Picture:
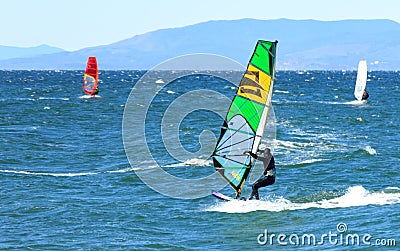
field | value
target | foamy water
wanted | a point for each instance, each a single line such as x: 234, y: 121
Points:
x: 354, y: 197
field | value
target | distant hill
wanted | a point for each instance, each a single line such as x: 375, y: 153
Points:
x: 8, y: 52
x: 303, y: 44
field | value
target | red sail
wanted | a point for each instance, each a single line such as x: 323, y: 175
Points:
x: 91, y: 77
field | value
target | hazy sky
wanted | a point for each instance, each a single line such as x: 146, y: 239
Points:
x: 76, y: 24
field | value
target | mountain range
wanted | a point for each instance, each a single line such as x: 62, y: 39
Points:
x: 303, y: 44
x: 7, y: 52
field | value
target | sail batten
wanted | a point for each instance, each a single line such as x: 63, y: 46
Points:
x: 246, y: 117
x: 237, y: 130
x: 230, y: 167
x: 236, y: 143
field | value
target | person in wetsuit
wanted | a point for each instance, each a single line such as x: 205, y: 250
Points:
x: 96, y: 91
x: 365, y: 95
x: 269, y: 171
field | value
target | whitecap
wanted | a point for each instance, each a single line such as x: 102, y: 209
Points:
x: 197, y: 162
x: 90, y: 96
x: 370, y: 150
x: 292, y: 144
x: 191, y: 162
x: 279, y: 91
x: 48, y: 174
x: 125, y: 170
x: 355, y: 102
x: 392, y: 188
x: 355, y: 196
x: 310, y: 161
x: 52, y: 98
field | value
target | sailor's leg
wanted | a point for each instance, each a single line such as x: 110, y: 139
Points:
x: 266, y: 181
x: 254, y: 192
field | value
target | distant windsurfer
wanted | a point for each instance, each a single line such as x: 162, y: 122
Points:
x: 269, y: 171
x: 365, y: 95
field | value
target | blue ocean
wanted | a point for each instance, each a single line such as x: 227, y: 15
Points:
x: 72, y: 167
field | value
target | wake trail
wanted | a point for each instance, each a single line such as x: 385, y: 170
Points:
x: 354, y: 197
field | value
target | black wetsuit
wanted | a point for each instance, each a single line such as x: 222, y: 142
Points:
x: 365, y: 95
x: 269, y: 174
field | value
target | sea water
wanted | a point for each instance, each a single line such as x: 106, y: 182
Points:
x: 67, y: 183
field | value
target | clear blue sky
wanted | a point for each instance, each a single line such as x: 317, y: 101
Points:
x: 76, y: 24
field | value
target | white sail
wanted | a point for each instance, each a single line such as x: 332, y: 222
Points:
x: 361, y: 80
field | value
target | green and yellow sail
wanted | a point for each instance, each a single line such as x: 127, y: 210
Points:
x: 246, y: 118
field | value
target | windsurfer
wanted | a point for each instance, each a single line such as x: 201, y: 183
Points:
x: 96, y: 91
x: 365, y: 95
x: 269, y: 171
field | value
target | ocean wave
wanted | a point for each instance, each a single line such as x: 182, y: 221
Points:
x: 49, y: 174
x: 292, y: 144
x: 355, y: 196
x: 89, y: 96
x: 191, y: 162
x: 388, y: 189
x: 150, y: 165
x: 125, y: 170
x: 25, y: 99
x: 355, y: 102
x: 310, y: 161
x: 370, y: 150
x: 279, y: 91
x: 53, y: 98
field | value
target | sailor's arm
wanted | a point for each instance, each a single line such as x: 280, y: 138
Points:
x: 257, y: 157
